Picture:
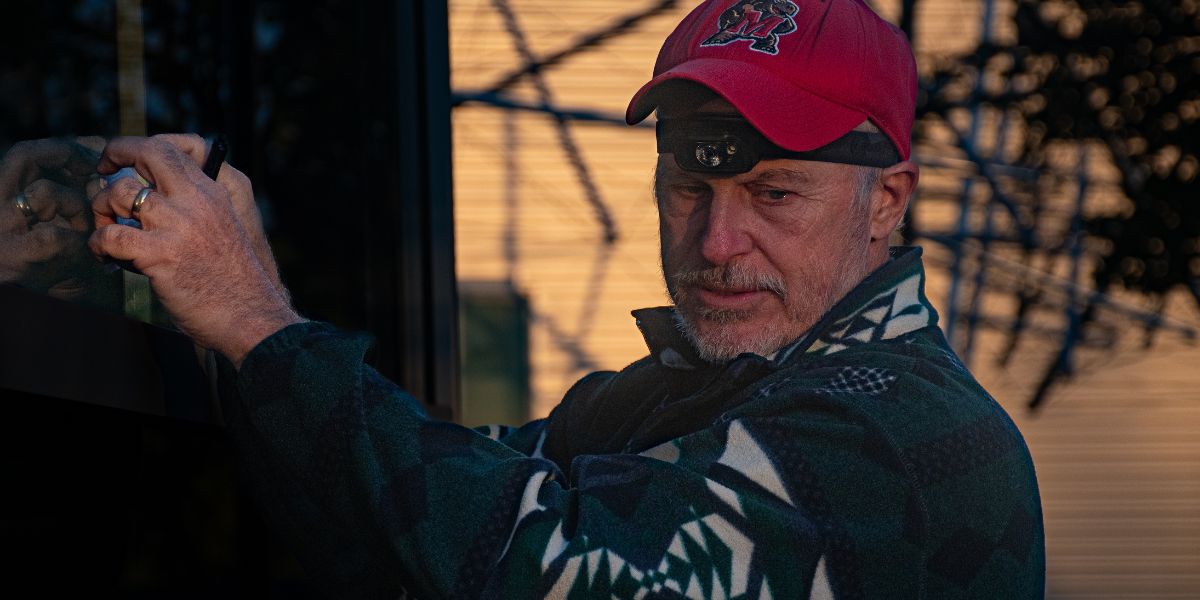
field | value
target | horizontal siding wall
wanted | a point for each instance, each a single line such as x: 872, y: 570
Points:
x: 1117, y: 449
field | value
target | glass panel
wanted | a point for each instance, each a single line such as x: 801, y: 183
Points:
x: 59, y: 82
x: 76, y: 74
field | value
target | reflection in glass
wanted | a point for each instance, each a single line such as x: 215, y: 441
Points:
x: 46, y: 220
x: 58, y: 81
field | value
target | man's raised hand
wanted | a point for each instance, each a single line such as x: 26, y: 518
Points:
x: 201, y: 242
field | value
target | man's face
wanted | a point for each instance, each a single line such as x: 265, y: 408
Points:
x: 753, y: 260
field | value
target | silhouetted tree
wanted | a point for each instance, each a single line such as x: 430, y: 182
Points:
x: 1126, y: 74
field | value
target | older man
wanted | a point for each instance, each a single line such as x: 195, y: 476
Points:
x: 800, y: 428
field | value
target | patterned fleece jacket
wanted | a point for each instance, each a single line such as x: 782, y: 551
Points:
x: 863, y: 461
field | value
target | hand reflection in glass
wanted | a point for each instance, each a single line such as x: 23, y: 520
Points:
x: 45, y: 216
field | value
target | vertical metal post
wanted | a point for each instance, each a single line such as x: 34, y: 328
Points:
x: 131, y: 95
x: 909, y: 230
x: 1077, y: 234
x: 1063, y: 364
x: 964, y: 206
x: 512, y: 196
x: 985, y: 242
x: 428, y: 353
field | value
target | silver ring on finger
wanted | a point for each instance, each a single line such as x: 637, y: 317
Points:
x: 139, y: 200
x: 22, y: 203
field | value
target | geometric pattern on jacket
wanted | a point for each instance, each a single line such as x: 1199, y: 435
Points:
x: 862, y: 461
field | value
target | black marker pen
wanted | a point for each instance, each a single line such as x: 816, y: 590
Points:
x: 216, y: 156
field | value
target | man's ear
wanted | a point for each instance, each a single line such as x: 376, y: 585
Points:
x: 890, y: 200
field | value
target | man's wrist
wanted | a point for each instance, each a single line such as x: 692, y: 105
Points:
x: 253, y: 331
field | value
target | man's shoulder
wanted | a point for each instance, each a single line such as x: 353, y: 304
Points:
x: 644, y: 368
x: 596, y: 412
x: 907, y: 373
x: 913, y: 392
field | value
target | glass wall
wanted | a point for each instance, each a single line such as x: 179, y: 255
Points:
x: 118, y: 479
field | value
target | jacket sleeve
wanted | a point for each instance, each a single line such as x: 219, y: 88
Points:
x: 377, y: 499
x: 527, y: 439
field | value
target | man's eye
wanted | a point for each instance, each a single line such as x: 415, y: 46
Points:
x: 775, y: 195
x: 691, y: 190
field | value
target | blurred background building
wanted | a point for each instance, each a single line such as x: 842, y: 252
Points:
x: 1058, y: 208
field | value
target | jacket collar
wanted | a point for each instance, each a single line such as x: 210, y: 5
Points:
x: 888, y: 303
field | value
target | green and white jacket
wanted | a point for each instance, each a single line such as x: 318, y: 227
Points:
x: 863, y: 461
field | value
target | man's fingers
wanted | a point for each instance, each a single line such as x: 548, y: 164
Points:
x: 93, y: 187
x: 189, y: 143
x: 158, y: 160
x: 197, y: 149
x: 117, y: 199
x: 68, y: 160
x: 49, y: 198
x: 94, y: 143
x: 25, y: 158
x: 119, y: 242
x: 235, y: 181
x: 47, y: 242
x: 41, y: 244
x: 80, y: 161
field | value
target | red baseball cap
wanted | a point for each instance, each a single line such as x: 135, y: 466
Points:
x: 802, y: 72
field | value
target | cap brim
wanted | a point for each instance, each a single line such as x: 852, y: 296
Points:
x: 789, y: 116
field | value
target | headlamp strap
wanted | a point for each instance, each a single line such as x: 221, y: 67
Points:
x: 730, y: 145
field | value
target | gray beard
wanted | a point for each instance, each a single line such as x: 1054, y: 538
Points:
x: 717, y: 345
x: 719, y: 349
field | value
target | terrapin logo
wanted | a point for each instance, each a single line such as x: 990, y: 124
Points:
x: 761, y: 21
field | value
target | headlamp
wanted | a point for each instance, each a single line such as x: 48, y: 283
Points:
x: 730, y: 145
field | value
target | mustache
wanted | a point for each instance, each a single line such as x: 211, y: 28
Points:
x: 731, y: 276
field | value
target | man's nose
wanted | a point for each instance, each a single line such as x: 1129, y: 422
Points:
x: 725, y: 234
